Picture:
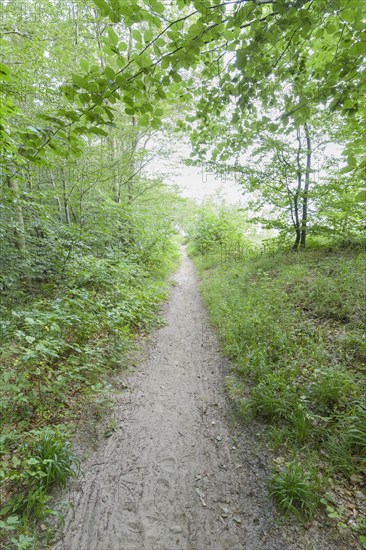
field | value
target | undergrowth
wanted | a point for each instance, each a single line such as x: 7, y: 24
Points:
x: 56, y: 351
x: 294, y: 326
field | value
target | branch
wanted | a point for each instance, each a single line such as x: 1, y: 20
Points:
x: 23, y: 34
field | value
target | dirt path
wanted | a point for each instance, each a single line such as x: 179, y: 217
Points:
x: 172, y: 476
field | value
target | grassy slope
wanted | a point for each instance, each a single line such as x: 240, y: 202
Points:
x: 294, y: 325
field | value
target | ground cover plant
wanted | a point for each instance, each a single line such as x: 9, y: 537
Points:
x: 293, y: 325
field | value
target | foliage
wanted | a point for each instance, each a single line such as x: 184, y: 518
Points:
x: 44, y: 460
x: 214, y: 227
x: 87, y: 240
x: 331, y: 386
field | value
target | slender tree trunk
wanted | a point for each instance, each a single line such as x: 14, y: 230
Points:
x: 133, y: 166
x: 75, y: 16
x: 111, y: 145
x: 57, y: 198
x: 20, y: 227
x: 297, y: 193
x: 66, y: 200
x: 306, y: 189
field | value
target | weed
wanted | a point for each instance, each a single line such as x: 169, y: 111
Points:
x: 51, y: 458
x: 40, y: 463
x: 274, y: 397
x: 296, y: 490
x: 355, y: 429
x: 330, y: 386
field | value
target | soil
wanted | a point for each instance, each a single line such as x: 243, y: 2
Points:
x: 177, y: 473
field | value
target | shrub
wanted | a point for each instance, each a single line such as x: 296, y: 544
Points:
x: 52, y: 457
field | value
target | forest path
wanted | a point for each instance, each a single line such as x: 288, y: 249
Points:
x: 171, y: 476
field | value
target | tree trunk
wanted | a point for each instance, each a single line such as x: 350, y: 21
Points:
x: 20, y: 228
x: 66, y: 200
x: 306, y: 189
x: 57, y: 198
x: 297, y: 193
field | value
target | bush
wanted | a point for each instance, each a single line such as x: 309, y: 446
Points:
x: 216, y: 226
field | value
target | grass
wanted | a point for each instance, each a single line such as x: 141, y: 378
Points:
x: 296, y: 490
x: 293, y: 325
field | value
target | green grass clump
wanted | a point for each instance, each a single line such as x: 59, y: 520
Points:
x: 296, y: 490
x: 355, y: 429
x: 43, y: 461
x: 331, y: 386
x: 274, y: 397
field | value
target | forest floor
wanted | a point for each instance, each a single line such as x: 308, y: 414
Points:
x: 177, y: 472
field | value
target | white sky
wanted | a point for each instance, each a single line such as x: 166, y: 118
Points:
x: 195, y: 182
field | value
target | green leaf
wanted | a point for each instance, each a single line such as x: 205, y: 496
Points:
x: 137, y: 35
x: 15, y: 460
x: 109, y: 72
x: 98, y: 131
x: 361, y: 196
x: 84, y: 65
x: 122, y: 46
x: 148, y: 36
x: 351, y: 161
x: 113, y: 37
x: 348, y: 104
x: 103, y: 7
x: 176, y: 77
x: 158, y: 7
x: 348, y: 15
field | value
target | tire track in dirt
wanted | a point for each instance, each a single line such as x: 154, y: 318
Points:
x: 171, y: 477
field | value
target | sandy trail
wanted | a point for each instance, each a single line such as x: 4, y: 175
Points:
x: 172, y: 476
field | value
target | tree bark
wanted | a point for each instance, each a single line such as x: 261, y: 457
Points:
x: 298, y: 191
x: 306, y: 189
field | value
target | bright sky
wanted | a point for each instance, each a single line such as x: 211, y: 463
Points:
x: 195, y: 182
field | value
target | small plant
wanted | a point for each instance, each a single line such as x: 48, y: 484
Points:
x: 51, y: 458
x: 301, y: 423
x: 331, y: 385
x: 339, y: 454
x: 46, y: 460
x: 274, y: 397
x: 360, y: 529
x: 296, y: 490
x: 22, y: 542
x: 355, y: 429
